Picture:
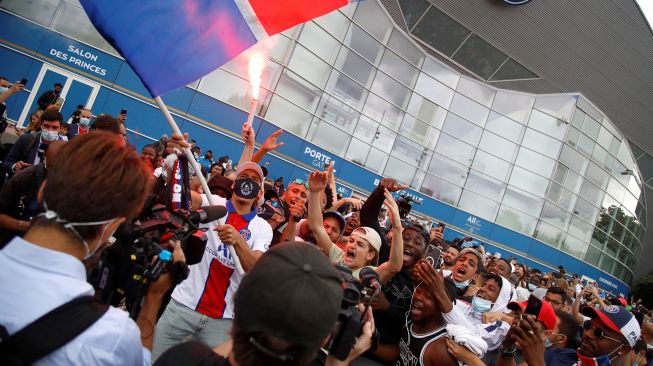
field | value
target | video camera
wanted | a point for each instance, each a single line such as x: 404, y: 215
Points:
x: 405, y: 204
x: 350, y: 319
x: 127, y: 267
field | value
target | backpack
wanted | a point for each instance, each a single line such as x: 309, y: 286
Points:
x: 50, y: 332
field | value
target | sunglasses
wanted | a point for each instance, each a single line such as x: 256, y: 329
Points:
x: 274, y: 204
x: 300, y: 182
x: 599, y: 332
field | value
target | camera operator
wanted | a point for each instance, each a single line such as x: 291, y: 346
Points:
x: 45, y: 269
x: 285, y: 308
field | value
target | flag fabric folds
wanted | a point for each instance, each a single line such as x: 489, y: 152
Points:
x: 170, y: 43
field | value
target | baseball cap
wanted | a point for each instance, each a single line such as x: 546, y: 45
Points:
x: 272, y: 194
x: 188, y: 353
x: 301, y: 290
x: 336, y: 216
x: 251, y: 166
x: 420, y: 229
x: 618, y: 319
x: 370, y: 235
x: 547, y: 315
x: 480, y: 256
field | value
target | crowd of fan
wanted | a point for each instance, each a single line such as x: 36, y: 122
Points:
x: 463, y: 307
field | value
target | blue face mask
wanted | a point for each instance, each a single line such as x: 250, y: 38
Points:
x: 463, y: 284
x: 84, y: 121
x: 49, y: 135
x: 3, y: 89
x: 480, y: 305
x: 547, y: 343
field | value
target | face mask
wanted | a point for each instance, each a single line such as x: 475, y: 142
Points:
x: 462, y: 284
x: 246, y: 188
x: 3, y: 89
x: 531, y: 287
x: 265, y: 212
x: 84, y: 121
x: 480, y: 305
x: 49, y: 135
x: 602, y: 360
x: 547, y: 343
x: 636, y: 363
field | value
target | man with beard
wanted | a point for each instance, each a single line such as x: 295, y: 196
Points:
x: 608, y: 336
x: 449, y: 257
x: 202, y: 305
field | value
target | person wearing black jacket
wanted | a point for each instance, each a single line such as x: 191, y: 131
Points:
x: 49, y: 97
x: 391, y: 305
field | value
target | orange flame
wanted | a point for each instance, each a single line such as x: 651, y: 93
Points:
x: 255, y: 70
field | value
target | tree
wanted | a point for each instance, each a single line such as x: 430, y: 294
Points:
x: 643, y: 289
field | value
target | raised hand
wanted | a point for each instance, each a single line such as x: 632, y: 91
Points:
x: 271, y: 143
x: 247, y: 134
x: 392, y: 185
x: 317, y: 181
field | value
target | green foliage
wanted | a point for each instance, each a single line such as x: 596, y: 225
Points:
x: 643, y: 289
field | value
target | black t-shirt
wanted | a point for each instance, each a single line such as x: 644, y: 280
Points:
x: 191, y: 353
x: 18, y: 198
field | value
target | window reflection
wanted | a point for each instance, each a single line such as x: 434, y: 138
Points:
x: 355, y: 67
x: 514, y: 105
x: 399, y: 170
x: 491, y: 166
x: 309, y: 66
x: 455, y: 149
x: 498, y: 146
x: 549, y: 234
x: 434, y: 90
x: 505, y: 127
x: 376, y: 160
x: 523, y: 201
x: 398, y: 68
x: 574, y: 247
x: 516, y: 220
x: 541, y: 143
x: 294, y: 88
x: 441, y: 189
x: 530, y: 182
x: 329, y: 137
x: 404, y: 47
x: 287, y: 116
x: 535, y: 162
x: 364, y: 44
x: 410, y: 152
x: 391, y: 90
x: 547, y: 124
x: 357, y: 152
x: 462, y: 129
x: 319, y: 41
x: 371, y: 17
x: 485, y: 186
x: 447, y: 169
x: 478, y: 205
x: 469, y: 109
x: 346, y: 90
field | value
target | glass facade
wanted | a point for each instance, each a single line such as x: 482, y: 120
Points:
x: 549, y: 166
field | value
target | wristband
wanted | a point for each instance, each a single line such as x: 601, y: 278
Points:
x: 508, y: 353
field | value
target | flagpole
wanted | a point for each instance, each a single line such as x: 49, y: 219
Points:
x: 198, y: 171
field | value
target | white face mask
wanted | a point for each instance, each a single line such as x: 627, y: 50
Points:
x: 49, y: 135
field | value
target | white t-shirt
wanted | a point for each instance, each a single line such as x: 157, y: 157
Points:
x: 212, y: 283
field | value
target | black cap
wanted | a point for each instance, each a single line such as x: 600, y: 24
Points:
x: 293, y: 293
x: 337, y: 216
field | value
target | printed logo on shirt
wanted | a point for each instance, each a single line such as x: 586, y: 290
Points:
x: 245, y: 233
x: 612, y: 309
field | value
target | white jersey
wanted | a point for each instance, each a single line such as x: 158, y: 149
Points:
x: 212, y: 283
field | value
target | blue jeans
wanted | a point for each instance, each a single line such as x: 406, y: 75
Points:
x: 179, y: 324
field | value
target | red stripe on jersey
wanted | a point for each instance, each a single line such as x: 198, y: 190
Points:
x: 212, y: 302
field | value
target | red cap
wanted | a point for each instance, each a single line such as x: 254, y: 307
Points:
x: 547, y: 315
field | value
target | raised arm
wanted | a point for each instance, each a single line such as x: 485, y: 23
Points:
x: 249, y: 138
x: 11, y: 91
x: 316, y: 183
x: 269, y: 144
x: 388, y: 269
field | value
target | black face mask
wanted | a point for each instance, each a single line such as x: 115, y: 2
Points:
x: 246, y: 188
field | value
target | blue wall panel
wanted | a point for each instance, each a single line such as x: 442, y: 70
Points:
x: 222, y: 135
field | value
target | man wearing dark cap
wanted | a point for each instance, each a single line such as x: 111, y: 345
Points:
x: 286, y: 307
x: 608, y: 336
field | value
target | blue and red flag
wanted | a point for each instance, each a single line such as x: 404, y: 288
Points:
x: 170, y: 43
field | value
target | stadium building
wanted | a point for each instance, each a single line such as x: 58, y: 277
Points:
x: 527, y: 127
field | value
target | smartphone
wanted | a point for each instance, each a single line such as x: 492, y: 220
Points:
x: 229, y: 162
x: 433, y: 255
x: 533, y: 306
x: 59, y: 102
x: 123, y: 111
x: 23, y: 81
